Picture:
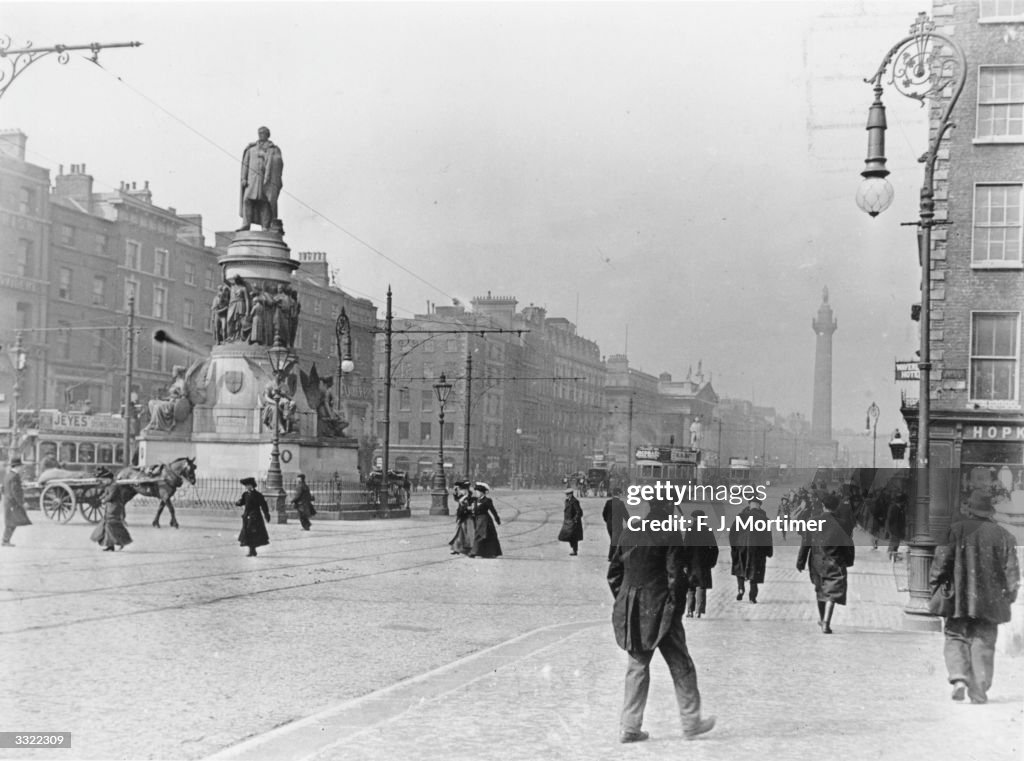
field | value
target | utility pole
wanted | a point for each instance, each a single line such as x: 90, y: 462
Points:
x: 130, y: 361
x: 629, y: 443
x: 719, y: 442
x: 387, y: 403
x: 469, y: 396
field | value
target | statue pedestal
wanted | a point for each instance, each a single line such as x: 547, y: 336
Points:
x: 228, y: 436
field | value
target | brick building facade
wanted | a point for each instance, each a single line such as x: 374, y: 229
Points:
x: 977, y: 274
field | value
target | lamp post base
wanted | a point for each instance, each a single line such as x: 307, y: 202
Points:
x: 917, y: 616
x: 439, y: 502
x: 282, y: 516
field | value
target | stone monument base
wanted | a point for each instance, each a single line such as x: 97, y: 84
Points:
x: 222, y: 457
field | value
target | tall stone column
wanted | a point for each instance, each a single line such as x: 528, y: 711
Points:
x: 824, y: 325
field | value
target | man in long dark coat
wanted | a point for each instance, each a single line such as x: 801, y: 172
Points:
x: 572, y: 523
x: 750, y: 549
x: 979, y: 560
x: 827, y: 553
x: 647, y: 577
x: 14, y: 501
x: 302, y: 500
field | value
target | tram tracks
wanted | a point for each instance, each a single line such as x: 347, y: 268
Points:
x: 522, y: 516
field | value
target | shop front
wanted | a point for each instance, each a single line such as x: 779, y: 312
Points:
x: 970, y: 451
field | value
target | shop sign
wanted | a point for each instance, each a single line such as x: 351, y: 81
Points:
x: 994, y: 432
x: 77, y: 422
x: 683, y: 454
x: 646, y: 453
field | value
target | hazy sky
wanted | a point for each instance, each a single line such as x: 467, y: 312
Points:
x: 686, y: 168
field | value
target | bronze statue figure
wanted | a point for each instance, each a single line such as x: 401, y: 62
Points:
x: 262, y: 166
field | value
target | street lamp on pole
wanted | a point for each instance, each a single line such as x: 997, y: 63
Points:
x: 871, y: 424
x: 924, y: 64
x: 281, y: 362
x: 19, y: 359
x: 343, y: 337
x: 439, y: 491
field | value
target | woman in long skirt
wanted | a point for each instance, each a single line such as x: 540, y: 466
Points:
x: 254, y: 530
x: 827, y: 554
x: 465, y: 530
x: 485, y: 537
x: 111, y: 531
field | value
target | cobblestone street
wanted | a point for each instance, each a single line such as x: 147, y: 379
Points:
x: 368, y: 640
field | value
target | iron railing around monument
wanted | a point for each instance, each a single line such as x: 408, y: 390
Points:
x: 223, y: 493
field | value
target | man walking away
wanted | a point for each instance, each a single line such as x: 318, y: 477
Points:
x: 647, y: 575
x: 979, y: 565
x: 615, y: 517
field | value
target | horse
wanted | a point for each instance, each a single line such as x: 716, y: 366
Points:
x: 161, y: 481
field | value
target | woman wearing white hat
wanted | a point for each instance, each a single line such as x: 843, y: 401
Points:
x: 485, y: 539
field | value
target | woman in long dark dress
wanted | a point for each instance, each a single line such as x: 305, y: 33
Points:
x: 485, y: 537
x: 827, y: 553
x: 701, y: 552
x: 254, y: 530
x: 465, y: 530
x: 111, y: 531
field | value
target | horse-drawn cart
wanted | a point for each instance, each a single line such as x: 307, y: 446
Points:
x: 62, y: 493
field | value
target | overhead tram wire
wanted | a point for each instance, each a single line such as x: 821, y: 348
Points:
x: 326, y: 218
x: 295, y: 198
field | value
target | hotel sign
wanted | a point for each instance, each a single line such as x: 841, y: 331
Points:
x: 907, y: 371
x: 994, y: 432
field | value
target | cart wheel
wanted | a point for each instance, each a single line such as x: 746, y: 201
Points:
x: 57, y: 502
x: 92, y: 510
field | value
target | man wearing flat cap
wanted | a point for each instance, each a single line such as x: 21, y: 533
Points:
x: 979, y: 564
x: 14, y: 501
x: 254, y: 529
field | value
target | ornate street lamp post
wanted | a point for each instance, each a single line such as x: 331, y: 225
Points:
x: 281, y: 362
x: 439, y: 490
x: 343, y: 336
x: 19, y: 359
x: 923, y: 65
x: 871, y: 424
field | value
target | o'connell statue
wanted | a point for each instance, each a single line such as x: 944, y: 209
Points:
x: 262, y: 166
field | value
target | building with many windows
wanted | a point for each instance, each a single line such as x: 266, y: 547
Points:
x: 977, y: 273
x: 535, y: 396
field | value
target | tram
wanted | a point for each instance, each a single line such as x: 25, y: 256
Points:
x: 677, y: 465
x: 70, y: 440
